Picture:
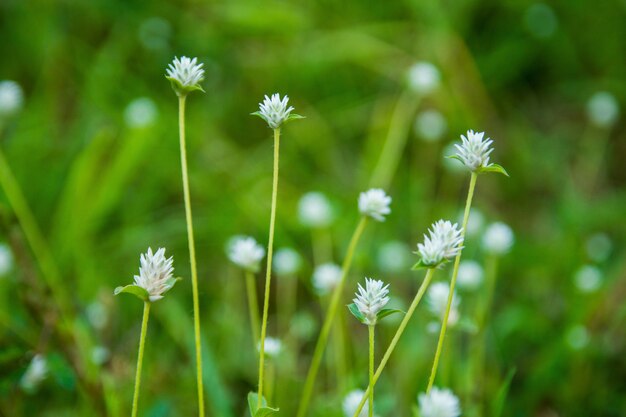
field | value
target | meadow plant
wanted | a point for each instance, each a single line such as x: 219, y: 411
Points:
x: 439, y: 403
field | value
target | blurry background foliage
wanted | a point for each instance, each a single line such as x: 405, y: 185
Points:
x: 95, y: 152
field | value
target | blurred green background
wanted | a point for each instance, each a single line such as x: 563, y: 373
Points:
x: 94, y: 150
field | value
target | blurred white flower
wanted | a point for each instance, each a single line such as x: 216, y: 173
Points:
x: 393, y: 256
x: 444, y: 242
x: 286, y: 261
x: 275, y: 111
x: 372, y: 299
x: 97, y: 315
x: 273, y: 347
x: 36, y: 372
x: 6, y: 259
x: 475, y: 222
x: 423, y: 77
x: 11, y: 98
x: 246, y: 253
x: 577, y: 337
x: 470, y: 275
x: 474, y: 151
x: 498, y: 238
x: 588, y: 278
x: 351, y: 403
x: 437, y: 302
x: 326, y: 277
x: 141, y: 112
x: 185, y: 74
x: 314, y: 210
x: 439, y: 403
x: 100, y: 354
x: 599, y: 247
x: 430, y: 125
x: 375, y: 204
x: 155, y: 274
x: 603, y: 109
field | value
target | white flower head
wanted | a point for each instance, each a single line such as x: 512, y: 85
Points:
x: 97, y: 314
x: 326, y: 277
x: 470, y: 275
x: 474, y: 150
x: 375, y: 204
x: 6, y: 259
x: 246, y: 253
x: 287, y: 261
x: 603, y: 109
x: 100, y: 354
x: 371, y: 299
x: 273, y: 347
x: 423, y: 77
x: 498, y: 238
x: 444, y: 242
x: 155, y: 274
x: 141, y: 112
x: 11, y: 98
x: 437, y: 302
x: 276, y: 111
x: 588, y: 278
x: 430, y: 125
x: 314, y: 210
x: 439, y: 403
x: 351, y: 403
x: 185, y: 74
x: 35, y: 373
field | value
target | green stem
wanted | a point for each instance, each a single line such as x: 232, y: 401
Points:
x: 339, y: 353
x: 268, y: 273
x: 253, y: 307
x: 455, y: 272
x: 142, y: 344
x: 420, y: 293
x: 192, y: 252
x: 371, y: 370
x: 328, y: 321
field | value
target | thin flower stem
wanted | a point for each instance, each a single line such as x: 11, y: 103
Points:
x: 371, y: 370
x: 455, y: 272
x: 253, y: 306
x: 192, y: 253
x: 418, y: 297
x: 328, y: 321
x: 268, y: 273
x: 142, y: 344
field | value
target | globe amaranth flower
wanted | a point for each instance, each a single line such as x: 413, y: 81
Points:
x: 326, y: 277
x: 444, y: 242
x: 498, y: 238
x: 276, y: 111
x: 185, y: 74
x: 155, y: 274
x: 375, y: 204
x: 351, y: 403
x: 314, y: 210
x: 423, y: 77
x: 470, y: 275
x: 11, y: 98
x: 474, y: 152
x: 371, y: 299
x: 246, y: 253
x: 439, y: 403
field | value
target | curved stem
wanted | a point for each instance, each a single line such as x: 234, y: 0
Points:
x: 328, y: 321
x: 371, y: 371
x: 192, y: 252
x: 268, y: 272
x: 455, y: 272
x: 253, y: 306
x: 416, y: 300
x: 142, y: 343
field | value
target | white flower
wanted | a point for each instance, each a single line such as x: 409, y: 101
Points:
x: 100, y: 354
x: 475, y: 222
x: 326, y: 277
x: 246, y: 253
x: 437, y: 302
x: 97, y: 315
x: 35, y: 373
x: 185, y: 75
x: 314, y: 210
x: 273, y: 347
x: 430, y: 125
x: 6, y: 259
x: 498, y: 238
x: 588, y: 278
x: 439, y: 403
x: 470, y: 275
x: 141, y: 112
x: 603, y: 109
x: 372, y: 299
x: 11, y: 98
x: 474, y: 151
x: 393, y: 256
x: 275, y: 111
x: 374, y: 203
x: 286, y: 261
x: 423, y: 77
x: 351, y: 403
x: 155, y: 274
x: 445, y: 241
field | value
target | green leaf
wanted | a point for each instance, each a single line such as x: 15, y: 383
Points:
x: 135, y: 290
x: 170, y: 283
x: 183, y: 90
x: 457, y: 157
x: 387, y: 312
x: 294, y: 116
x: 494, y: 168
x: 255, y: 410
x: 498, y: 402
x: 356, y: 313
x: 420, y: 265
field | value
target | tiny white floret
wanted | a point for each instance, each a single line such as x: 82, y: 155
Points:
x: 326, y: 277
x: 375, y: 204
x: 444, y: 242
x: 141, y: 112
x: 603, y: 109
x: 246, y: 253
x: 287, y: 261
x: 351, y: 403
x: 185, y: 75
x: 474, y: 150
x: 272, y: 348
x: 274, y: 110
x: 437, y: 302
x: 11, y: 98
x: 470, y: 275
x: 588, y: 278
x: 423, y: 77
x: 430, y: 125
x: 314, y: 210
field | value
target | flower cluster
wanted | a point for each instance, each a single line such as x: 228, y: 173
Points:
x: 444, y: 242
x: 185, y: 74
x: 371, y: 300
x: 439, y: 403
x: 474, y: 150
x: 375, y: 204
x: 246, y: 253
x: 276, y: 111
x: 155, y: 274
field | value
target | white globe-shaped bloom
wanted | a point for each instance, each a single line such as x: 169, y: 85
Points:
x: 439, y: 403
x: 11, y: 98
x: 588, y: 278
x: 371, y: 299
x: 423, y: 77
x: 6, y: 259
x: 97, y: 315
x: 286, y: 261
x: 375, y: 204
x: 141, y: 112
x: 326, y: 277
x: 430, y: 125
x: 155, y: 273
x: 437, y: 299
x: 444, y: 242
x: 273, y: 347
x: 275, y: 111
x: 470, y: 275
x: 100, y: 354
x: 599, y: 247
x: 498, y: 238
x: 474, y: 150
x: 394, y: 257
x: 351, y: 403
x: 185, y: 74
x: 246, y: 253
x: 314, y: 210
x: 603, y: 109
x: 35, y: 373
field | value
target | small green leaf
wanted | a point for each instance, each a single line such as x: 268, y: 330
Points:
x: 255, y: 410
x: 183, y: 90
x: 294, y: 116
x: 170, y: 283
x: 387, y: 312
x: 494, y: 168
x: 420, y: 265
x: 498, y: 402
x: 457, y: 157
x: 135, y: 290
x: 265, y: 411
x: 356, y: 313
x: 257, y: 113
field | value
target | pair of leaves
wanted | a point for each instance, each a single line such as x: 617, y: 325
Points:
x: 421, y: 265
x: 489, y: 168
x: 142, y: 293
x: 183, y: 90
x: 255, y: 410
x: 381, y: 314
x: 292, y: 116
